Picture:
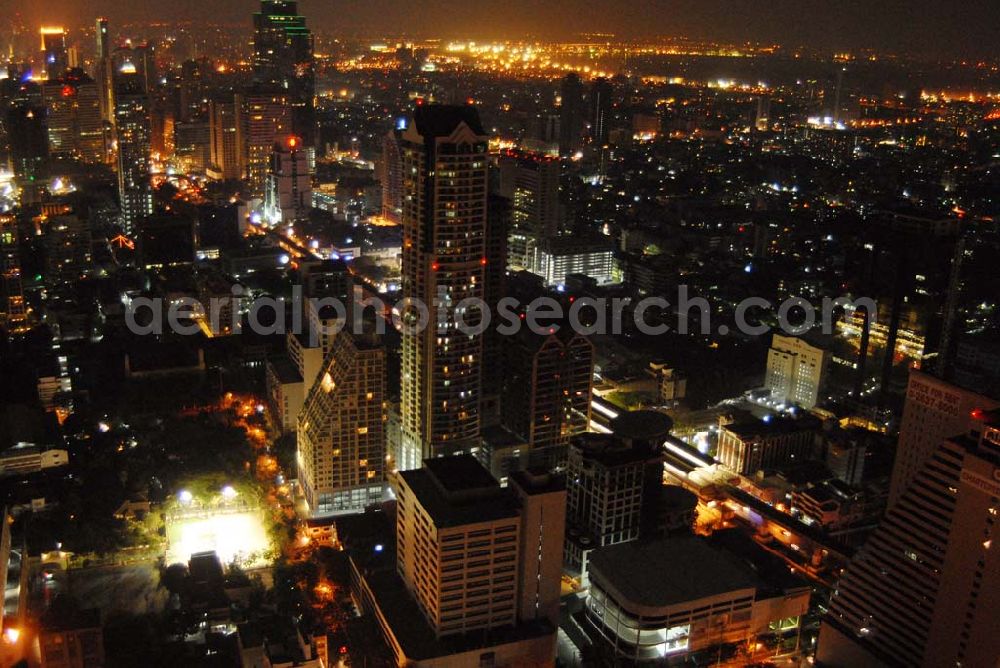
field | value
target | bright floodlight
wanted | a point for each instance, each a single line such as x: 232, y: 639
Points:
x: 232, y: 536
x: 185, y: 497
x: 228, y: 493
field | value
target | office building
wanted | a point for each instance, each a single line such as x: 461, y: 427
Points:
x: 655, y: 601
x: 132, y: 123
x: 934, y: 410
x: 67, y: 240
x: 265, y: 119
x: 796, y: 371
x: 468, y: 574
x: 283, y: 59
x: 104, y: 70
x: 548, y: 381
x: 570, y: 114
x: 444, y: 257
x: 55, y: 55
x: 614, y: 486
x: 73, y: 112
x: 476, y: 556
x: 341, y: 429
x: 226, y: 152
x: 530, y: 181
x: 29, y: 143
x: 750, y: 445
x: 288, y: 191
x: 193, y: 144
x: 925, y: 587
x: 13, y: 310
x: 555, y: 259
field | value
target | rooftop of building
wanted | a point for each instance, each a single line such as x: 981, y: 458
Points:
x: 775, y: 426
x: 538, y: 481
x: 642, y: 425
x: 441, y: 120
x: 457, y: 490
x: 669, y: 571
x: 285, y: 371
x: 609, y: 450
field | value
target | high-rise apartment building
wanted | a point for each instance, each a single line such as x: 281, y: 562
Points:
x: 934, y: 410
x: 341, y: 429
x: 288, y: 194
x: 444, y: 261
x: 392, y: 177
x: 531, y: 182
x: 924, y: 589
x: 548, y: 381
x: 132, y: 122
x: 796, y: 371
x: 283, y: 58
x: 13, y: 311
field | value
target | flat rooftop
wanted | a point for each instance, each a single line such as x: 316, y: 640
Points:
x: 458, y: 490
x: 670, y: 571
x: 460, y: 473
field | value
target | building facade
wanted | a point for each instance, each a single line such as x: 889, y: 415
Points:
x: 133, y: 131
x: 925, y: 587
x: 795, y: 371
x: 444, y: 261
x: 341, y: 429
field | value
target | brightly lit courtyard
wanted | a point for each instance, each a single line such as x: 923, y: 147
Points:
x: 235, y: 536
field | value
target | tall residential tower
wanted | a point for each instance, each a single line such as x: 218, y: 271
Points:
x: 444, y: 153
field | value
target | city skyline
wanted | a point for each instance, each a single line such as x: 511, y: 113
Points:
x: 926, y: 27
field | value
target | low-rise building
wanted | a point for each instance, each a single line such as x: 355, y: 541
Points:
x: 653, y: 600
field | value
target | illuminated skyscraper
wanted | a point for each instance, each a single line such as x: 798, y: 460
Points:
x: 13, y: 312
x: 74, y: 117
x: 132, y: 122
x: 288, y: 195
x: 55, y: 57
x: 925, y: 588
x: 227, y: 153
x: 103, y: 39
x: 341, y: 429
x: 265, y: 119
x: 283, y: 57
x: 444, y: 256
x: 531, y: 182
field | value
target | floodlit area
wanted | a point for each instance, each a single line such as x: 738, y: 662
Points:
x: 240, y: 537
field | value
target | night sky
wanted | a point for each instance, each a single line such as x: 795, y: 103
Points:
x: 941, y: 27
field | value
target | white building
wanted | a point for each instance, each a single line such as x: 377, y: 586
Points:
x: 652, y: 600
x: 795, y: 371
x: 557, y: 258
x: 288, y: 189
